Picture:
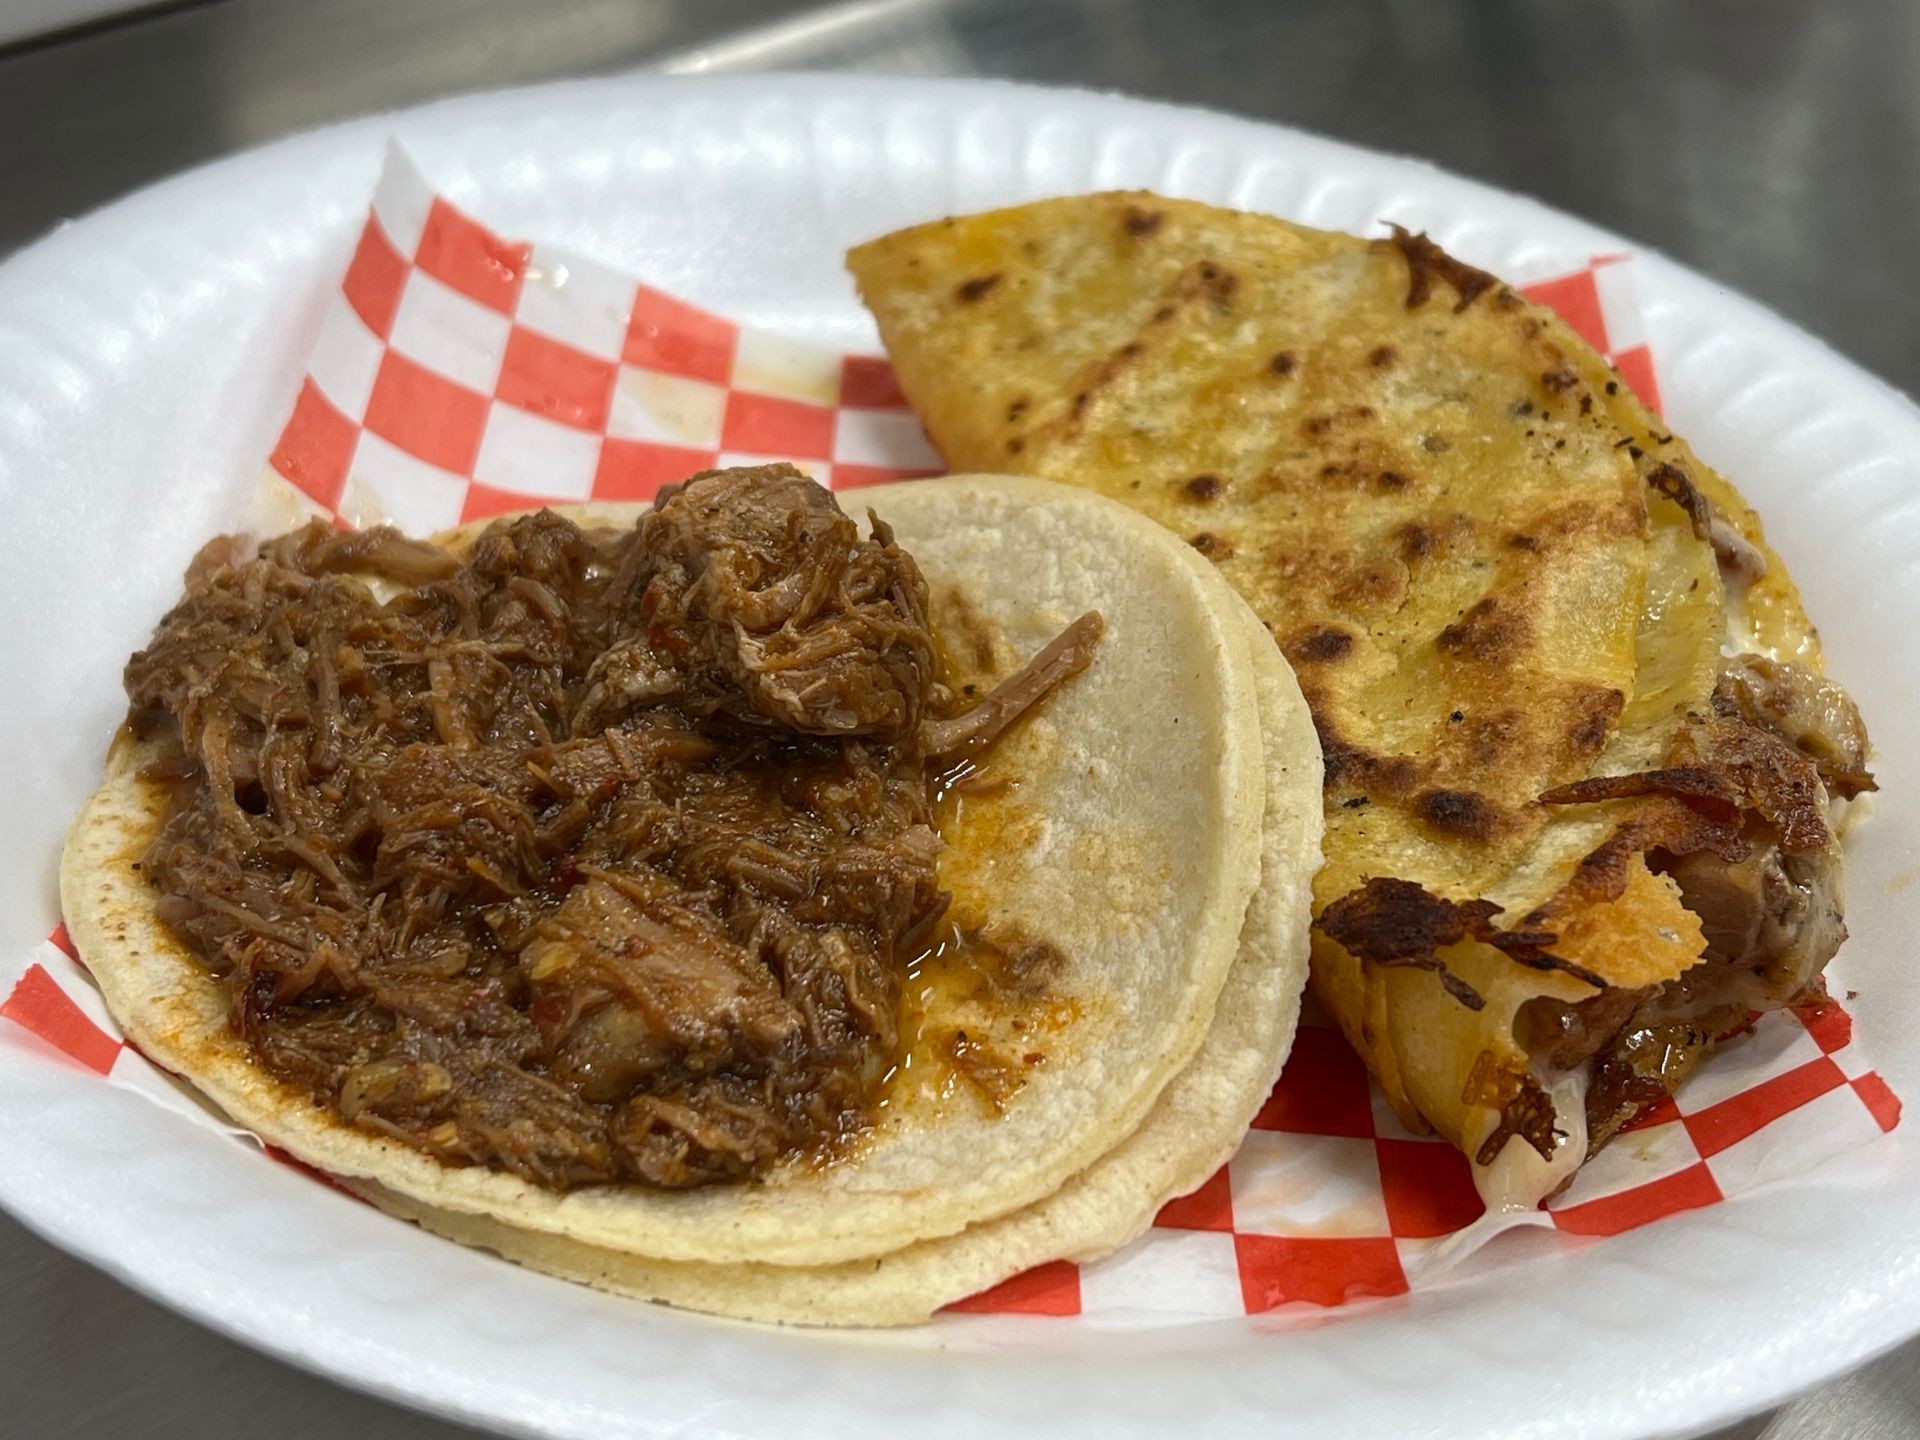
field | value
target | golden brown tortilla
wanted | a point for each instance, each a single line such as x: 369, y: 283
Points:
x: 1463, y: 530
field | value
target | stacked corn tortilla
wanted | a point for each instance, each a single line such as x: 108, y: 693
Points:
x: 1159, y: 830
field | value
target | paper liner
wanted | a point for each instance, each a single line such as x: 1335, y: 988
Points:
x: 459, y: 375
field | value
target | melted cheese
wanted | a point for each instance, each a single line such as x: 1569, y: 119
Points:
x: 1740, y: 637
x: 1519, y: 1178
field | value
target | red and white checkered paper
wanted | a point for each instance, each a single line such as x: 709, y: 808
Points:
x: 458, y: 375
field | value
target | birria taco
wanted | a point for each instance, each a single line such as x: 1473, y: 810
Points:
x: 1192, y: 1129
x: 719, y: 884
x: 1582, y: 767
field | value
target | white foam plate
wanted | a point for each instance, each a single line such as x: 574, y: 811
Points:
x: 147, y: 356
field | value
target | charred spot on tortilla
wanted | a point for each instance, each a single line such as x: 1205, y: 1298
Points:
x: 1315, y: 427
x: 1347, y: 763
x: 1427, y: 262
x: 1209, y: 281
x: 589, y: 855
x: 1485, y: 632
x: 1390, y: 922
x: 1416, y: 543
x: 1370, y: 583
x: 1214, y: 547
x: 1319, y: 646
x: 1598, y: 713
x: 1458, y: 812
x: 1101, y: 378
x: 978, y: 288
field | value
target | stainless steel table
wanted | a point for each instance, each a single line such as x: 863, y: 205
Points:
x: 1771, y: 143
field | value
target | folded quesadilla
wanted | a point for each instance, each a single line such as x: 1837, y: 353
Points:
x: 1582, y: 767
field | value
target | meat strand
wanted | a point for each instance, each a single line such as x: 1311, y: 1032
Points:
x: 1065, y: 656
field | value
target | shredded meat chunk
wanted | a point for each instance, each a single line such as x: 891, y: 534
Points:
x: 757, y: 586
x: 588, y: 856
x: 1806, y: 709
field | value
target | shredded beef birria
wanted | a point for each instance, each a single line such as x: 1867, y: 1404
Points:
x: 590, y: 856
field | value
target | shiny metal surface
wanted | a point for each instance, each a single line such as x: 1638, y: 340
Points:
x: 1770, y: 143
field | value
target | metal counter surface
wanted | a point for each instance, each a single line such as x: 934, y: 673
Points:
x: 1771, y: 144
